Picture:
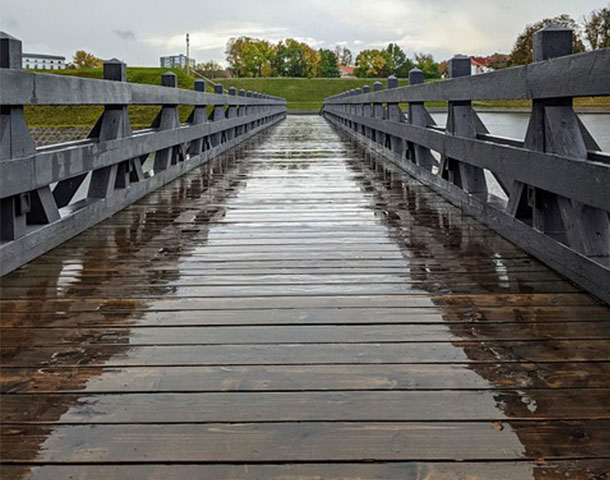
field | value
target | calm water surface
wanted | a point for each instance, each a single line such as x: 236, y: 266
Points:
x: 514, y: 125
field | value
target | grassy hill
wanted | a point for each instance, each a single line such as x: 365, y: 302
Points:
x: 86, y: 116
x: 308, y: 94
x: 149, y: 75
x: 300, y: 93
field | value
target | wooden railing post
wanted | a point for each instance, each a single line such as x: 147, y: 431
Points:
x: 463, y: 121
x: 198, y: 116
x: 241, y: 112
x: 345, y: 106
x: 15, y: 141
x: 420, y: 117
x: 395, y: 115
x: 265, y: 107
x: 167, y: 119
x: 249, y: 111
x: 232, y: 113
x: 218, y: 113
x: 555, y: 128
x: 253, y: 109
x: 114, y: 123
x: 367, y: 111
x: 257, y: 108
x: 378, y: 112
x: 358, y: 109
x: 351, y: 107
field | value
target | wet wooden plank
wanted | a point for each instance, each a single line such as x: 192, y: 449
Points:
x: 131, y: 279
x: 304, y: 301
x: 167, y: 271
x: 204, y: 291
x: 292, y: 354
x: 353, y: 406
x: 289, y: 442
x: 104, y: 379
x: 315, y: 316
x: 523, y: 470
x: 171, y: 335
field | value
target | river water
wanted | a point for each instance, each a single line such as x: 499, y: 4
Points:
x: 514, y: 125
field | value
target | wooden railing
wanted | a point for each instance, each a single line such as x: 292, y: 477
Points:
x: 552, y: 189
x: 40, y: 207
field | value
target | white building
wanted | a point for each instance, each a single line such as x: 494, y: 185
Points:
x: 38, y: 61
x: 176, y: 61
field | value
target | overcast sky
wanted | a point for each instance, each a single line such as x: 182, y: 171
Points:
x: 139, y: 31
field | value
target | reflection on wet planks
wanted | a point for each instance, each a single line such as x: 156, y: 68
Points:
x: 297, y: 310
x: 499, y: 470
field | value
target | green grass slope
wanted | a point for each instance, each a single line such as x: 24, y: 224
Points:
x: 149, y: 75
x: 86, y: 116
x: 301, y: 93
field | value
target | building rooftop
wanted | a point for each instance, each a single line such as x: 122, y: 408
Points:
x: 42, y: 55
x: 347, y: 69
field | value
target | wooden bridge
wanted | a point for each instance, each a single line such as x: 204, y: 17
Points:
x: 293, y: 298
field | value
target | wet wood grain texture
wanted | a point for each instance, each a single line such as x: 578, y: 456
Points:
x: 295, y: 310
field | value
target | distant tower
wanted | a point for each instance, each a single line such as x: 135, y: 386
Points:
x: 187, y: 55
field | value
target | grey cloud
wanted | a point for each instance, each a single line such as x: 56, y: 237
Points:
x: 439, y: 27
x: 11, y: 22
x: 125, y: 34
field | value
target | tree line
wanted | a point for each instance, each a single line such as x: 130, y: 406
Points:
x: 251, y: 57
x: 254, y: 57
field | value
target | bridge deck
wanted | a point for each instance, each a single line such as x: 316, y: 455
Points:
x: 297, y: 310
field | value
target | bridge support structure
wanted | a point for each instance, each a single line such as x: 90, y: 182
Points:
x: 551, y: 193
x: 40, y: 204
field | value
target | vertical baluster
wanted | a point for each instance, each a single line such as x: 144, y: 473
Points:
x: 419, y: 116
x: 218, y: 114
x: 354, y: 108
x: 198, y: 116
x: 249, y: 111
x: 367, y: 111
x: 264, y: 108
x: 15, y: 141
x: 378, y: 112
x: 167, y: 119
x: 232, y: 113
x: 108, y: 127
x: 463, y: 121
x: 351, y: 108
x: 241, y: 112
x: 395, y: 115
x: 257, y: 108
x: 358, y: 112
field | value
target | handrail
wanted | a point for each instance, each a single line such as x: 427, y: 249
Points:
x: 28, y: 88
x: 203, y: 77
x: 555, y: 184
x: 50, y: 194
x: 533, y: 81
